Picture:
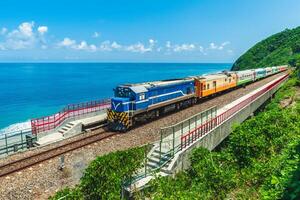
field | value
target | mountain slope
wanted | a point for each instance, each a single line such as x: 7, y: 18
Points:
x: 278, y: 49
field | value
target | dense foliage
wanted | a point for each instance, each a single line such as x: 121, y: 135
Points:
x: 103, y: 177
x: 259, y: 160
x: 279, y: 49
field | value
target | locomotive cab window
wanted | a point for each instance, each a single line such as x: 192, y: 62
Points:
x: 189, y: 90
x: 208, y: 86
x: 124, y: 92
x: 142, y: 96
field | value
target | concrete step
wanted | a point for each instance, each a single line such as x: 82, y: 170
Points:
x: 158, y: 159
x: 68, y: 126
x: 64, y: 128
x: 152, y: 165
x: 160, y: 156
x: 71, y: 124
x: 60, y: 131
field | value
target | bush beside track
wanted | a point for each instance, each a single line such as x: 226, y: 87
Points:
x: 103, y: 177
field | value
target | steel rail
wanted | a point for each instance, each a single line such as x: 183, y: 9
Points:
x: 34, y: 159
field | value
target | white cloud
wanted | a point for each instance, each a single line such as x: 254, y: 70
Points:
x: 184, y: 47
x: 115, y: 45
x: 141, y: 48
x: 24, y: 37
x: 21, y: 38
x: 93, y: 47
x: 26, y: 29
x: 96, y: 35
x: 3, y: 31
x: 213, y: 46
x: 82, y: 46
x: 85, y: 46
x: 201, y: 49
x: 225, y: 43
x: 67, y: 42
x: 138, y: 47
x: 218, y: 47
x: 168, y: 44
x: 105, y: 46
x: 72, y: 44
x: 27, y: 36
x: 42, y: 29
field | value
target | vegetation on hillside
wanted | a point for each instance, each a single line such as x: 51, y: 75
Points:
x: 279, y: 49
x: 103, y: 177
x: 259, y: 160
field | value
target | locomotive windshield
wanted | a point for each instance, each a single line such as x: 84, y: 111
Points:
x: 124, y: 92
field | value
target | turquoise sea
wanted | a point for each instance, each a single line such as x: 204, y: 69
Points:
x: 30, y: 90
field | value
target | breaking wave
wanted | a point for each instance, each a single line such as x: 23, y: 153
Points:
x: 16, y: 127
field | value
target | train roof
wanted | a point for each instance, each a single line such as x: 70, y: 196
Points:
x: 142, y: 87
x: 245, y: 71
x: 212, y: 76
x: 260, y: 69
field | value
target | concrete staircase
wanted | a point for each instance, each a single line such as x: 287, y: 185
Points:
x: 67, y: 127
x: 156, y: 159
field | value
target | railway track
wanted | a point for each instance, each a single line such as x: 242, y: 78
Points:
x: 34, y: 159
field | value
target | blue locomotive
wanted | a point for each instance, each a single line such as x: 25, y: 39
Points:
x: 144, y: 101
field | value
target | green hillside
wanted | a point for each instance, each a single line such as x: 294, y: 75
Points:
x: 279, y: 49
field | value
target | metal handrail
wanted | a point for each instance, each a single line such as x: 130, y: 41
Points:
x: 51, y: 122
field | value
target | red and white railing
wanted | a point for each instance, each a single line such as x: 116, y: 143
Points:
x: 203, y: 129
x: 73, y: 110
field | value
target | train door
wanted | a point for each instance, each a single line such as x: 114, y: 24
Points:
x: 201, y: 87
x: 215, y: 86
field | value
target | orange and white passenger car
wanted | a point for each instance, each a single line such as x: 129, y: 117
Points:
x: 211, y: 84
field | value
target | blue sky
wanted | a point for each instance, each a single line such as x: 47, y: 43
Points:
x: 139, y: 30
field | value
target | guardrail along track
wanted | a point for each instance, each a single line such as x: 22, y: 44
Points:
x: 34, y: 159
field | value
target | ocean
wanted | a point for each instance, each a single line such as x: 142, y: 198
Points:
x: 31, y: 90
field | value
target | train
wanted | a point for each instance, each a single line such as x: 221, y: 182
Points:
x: 141, y: 102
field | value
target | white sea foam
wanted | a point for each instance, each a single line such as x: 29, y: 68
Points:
x: 16, y: 127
